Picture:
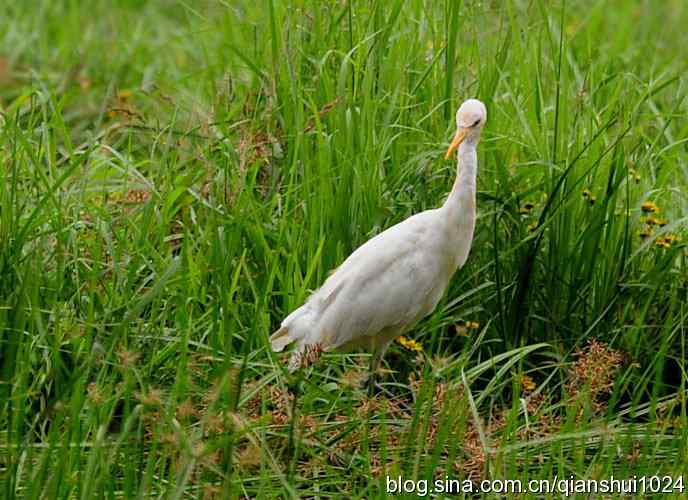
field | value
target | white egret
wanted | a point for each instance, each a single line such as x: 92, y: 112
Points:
x: 396, y: 278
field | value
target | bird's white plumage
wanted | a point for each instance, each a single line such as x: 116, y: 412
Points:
x: 396, y: 278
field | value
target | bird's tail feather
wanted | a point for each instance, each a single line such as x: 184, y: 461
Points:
x: 280, y: 339
x: 298, y: 327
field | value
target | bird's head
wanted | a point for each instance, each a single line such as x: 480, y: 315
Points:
x: 470, y: 119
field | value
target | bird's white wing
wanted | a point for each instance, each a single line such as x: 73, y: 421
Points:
x: 390, y: 282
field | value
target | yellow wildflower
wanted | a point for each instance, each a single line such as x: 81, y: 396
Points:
x: 667, y: 240
x: 124, y: 94
x: 532, y: 226
x: 649, y: 207
x: 654, y: 221
x: 587, y: 194
x: 645, y: 232
x: 527, y: 383
x: 467, y: 325
x: 410, y: 344
x: 527, y: 207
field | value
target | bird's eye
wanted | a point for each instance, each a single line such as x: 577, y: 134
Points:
x: 476, y: 123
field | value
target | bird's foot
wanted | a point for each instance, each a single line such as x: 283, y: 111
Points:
x: 372, y: 386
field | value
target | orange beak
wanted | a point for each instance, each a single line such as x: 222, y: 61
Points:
x: 456, y: 142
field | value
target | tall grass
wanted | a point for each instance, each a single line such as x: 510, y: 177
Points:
x: 176, y: 177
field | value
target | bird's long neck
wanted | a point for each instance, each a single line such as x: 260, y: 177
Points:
x: 460, y: 204
x: 460, y: 207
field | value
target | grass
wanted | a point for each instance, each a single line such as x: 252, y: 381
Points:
x: 175, y: 177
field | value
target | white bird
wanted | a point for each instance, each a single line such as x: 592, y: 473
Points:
x: 396, y: 278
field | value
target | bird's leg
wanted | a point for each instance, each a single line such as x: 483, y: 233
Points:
x: 372, y: 374
x: 375, y: 359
